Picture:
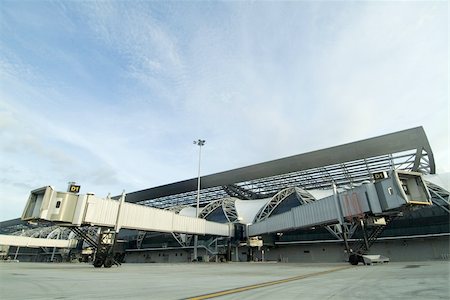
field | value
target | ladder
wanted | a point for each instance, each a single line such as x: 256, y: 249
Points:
x: 89, y: 238
x: 362, y: 245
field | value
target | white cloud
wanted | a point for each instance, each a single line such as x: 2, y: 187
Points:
x: 131, y: 86
x: 148, y: 49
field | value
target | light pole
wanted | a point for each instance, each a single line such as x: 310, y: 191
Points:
x: 199, y: 143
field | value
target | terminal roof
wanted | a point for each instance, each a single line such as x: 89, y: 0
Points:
x: 345, y: 164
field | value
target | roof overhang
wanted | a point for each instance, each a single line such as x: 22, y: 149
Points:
x: 410, y: 147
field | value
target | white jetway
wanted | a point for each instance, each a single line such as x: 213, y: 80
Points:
x: 26, y: 241
x: 73, y: 210
x: 77, y: 210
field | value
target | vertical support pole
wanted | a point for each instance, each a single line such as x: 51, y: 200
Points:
x: 341, y: 217
x: 366, y: 241
x: 54, y: 248
x: 217, y: 252
x: 17, y: 252
x: 200, y: 143
x: 118, y: 225
x: 344, y: 235
x: 197, y: 209
x: 338, y: 205
x: 18, y: 248
x: 195, y: 247
x: 53, y: 254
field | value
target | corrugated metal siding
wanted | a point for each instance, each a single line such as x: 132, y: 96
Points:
x: 217, y: 228
x: 311, y: 214
x: 101, y: 212
x: 354, y: 203
x: 25, y: 241
x: 188, y: 225
x: 135, y: 216
x: 257, y: 228
x: 282, y: 221
x: 315, y: 213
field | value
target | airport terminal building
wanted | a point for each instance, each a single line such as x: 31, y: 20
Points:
x: 311, y: 207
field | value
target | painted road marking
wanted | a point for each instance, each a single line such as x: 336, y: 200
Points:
x: 264, y: 284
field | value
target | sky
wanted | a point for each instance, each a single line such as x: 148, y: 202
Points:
x: 112, y: 94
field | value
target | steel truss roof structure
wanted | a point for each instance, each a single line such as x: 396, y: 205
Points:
x: 344, y: 165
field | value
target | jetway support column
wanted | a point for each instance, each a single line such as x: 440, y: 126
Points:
x: 341, y: 217
x: 104, y: 255
x: 54, y: 248
x: 363, y: 227
x: 17, y: 253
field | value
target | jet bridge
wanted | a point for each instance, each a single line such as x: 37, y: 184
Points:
x: 26, y: 241
x: 391, y: 193
x: 73, y: 210
x: 70, y: 209
x: 371, y: 203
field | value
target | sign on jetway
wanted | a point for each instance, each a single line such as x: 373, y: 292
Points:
x: 74, y: 188
x: 380, y: 175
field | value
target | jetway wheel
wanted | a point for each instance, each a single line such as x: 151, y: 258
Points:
x: 108, y: 262
x: 98, y: 263
x: 353, y: 259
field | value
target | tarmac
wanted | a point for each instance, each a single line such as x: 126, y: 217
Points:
x: 395, y: 280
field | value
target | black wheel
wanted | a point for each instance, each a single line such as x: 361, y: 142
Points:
x: 98, y: 263
x: 108, y: 263
x: 353, y: 259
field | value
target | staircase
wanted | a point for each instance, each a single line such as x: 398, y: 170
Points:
x: 89, y: 238
x: 362, y: 247
x: 209, y: 246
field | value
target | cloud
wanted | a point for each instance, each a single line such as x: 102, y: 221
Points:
x: 148, y: 50
x: 112, y: 95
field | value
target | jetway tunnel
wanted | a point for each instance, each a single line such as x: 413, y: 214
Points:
x: 390, y: 193
x: 69, y: 209
x: 110, y: 216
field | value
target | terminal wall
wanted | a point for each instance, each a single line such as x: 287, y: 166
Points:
x: 25, y: 254
x: 418, y: 249
x: 432, y: 248
x: 162, y: 256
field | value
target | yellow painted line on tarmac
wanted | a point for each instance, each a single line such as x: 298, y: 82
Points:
x: 264, y: 284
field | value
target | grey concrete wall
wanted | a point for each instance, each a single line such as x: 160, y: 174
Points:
x: 419, y: 249
x: 166, y: 256
x: 305, y: 253
x: 414, y: 249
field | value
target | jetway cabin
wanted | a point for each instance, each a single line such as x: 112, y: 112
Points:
x: 47, y: 204
x: 403, y: 188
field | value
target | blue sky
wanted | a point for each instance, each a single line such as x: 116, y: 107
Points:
x: 111, y: 94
